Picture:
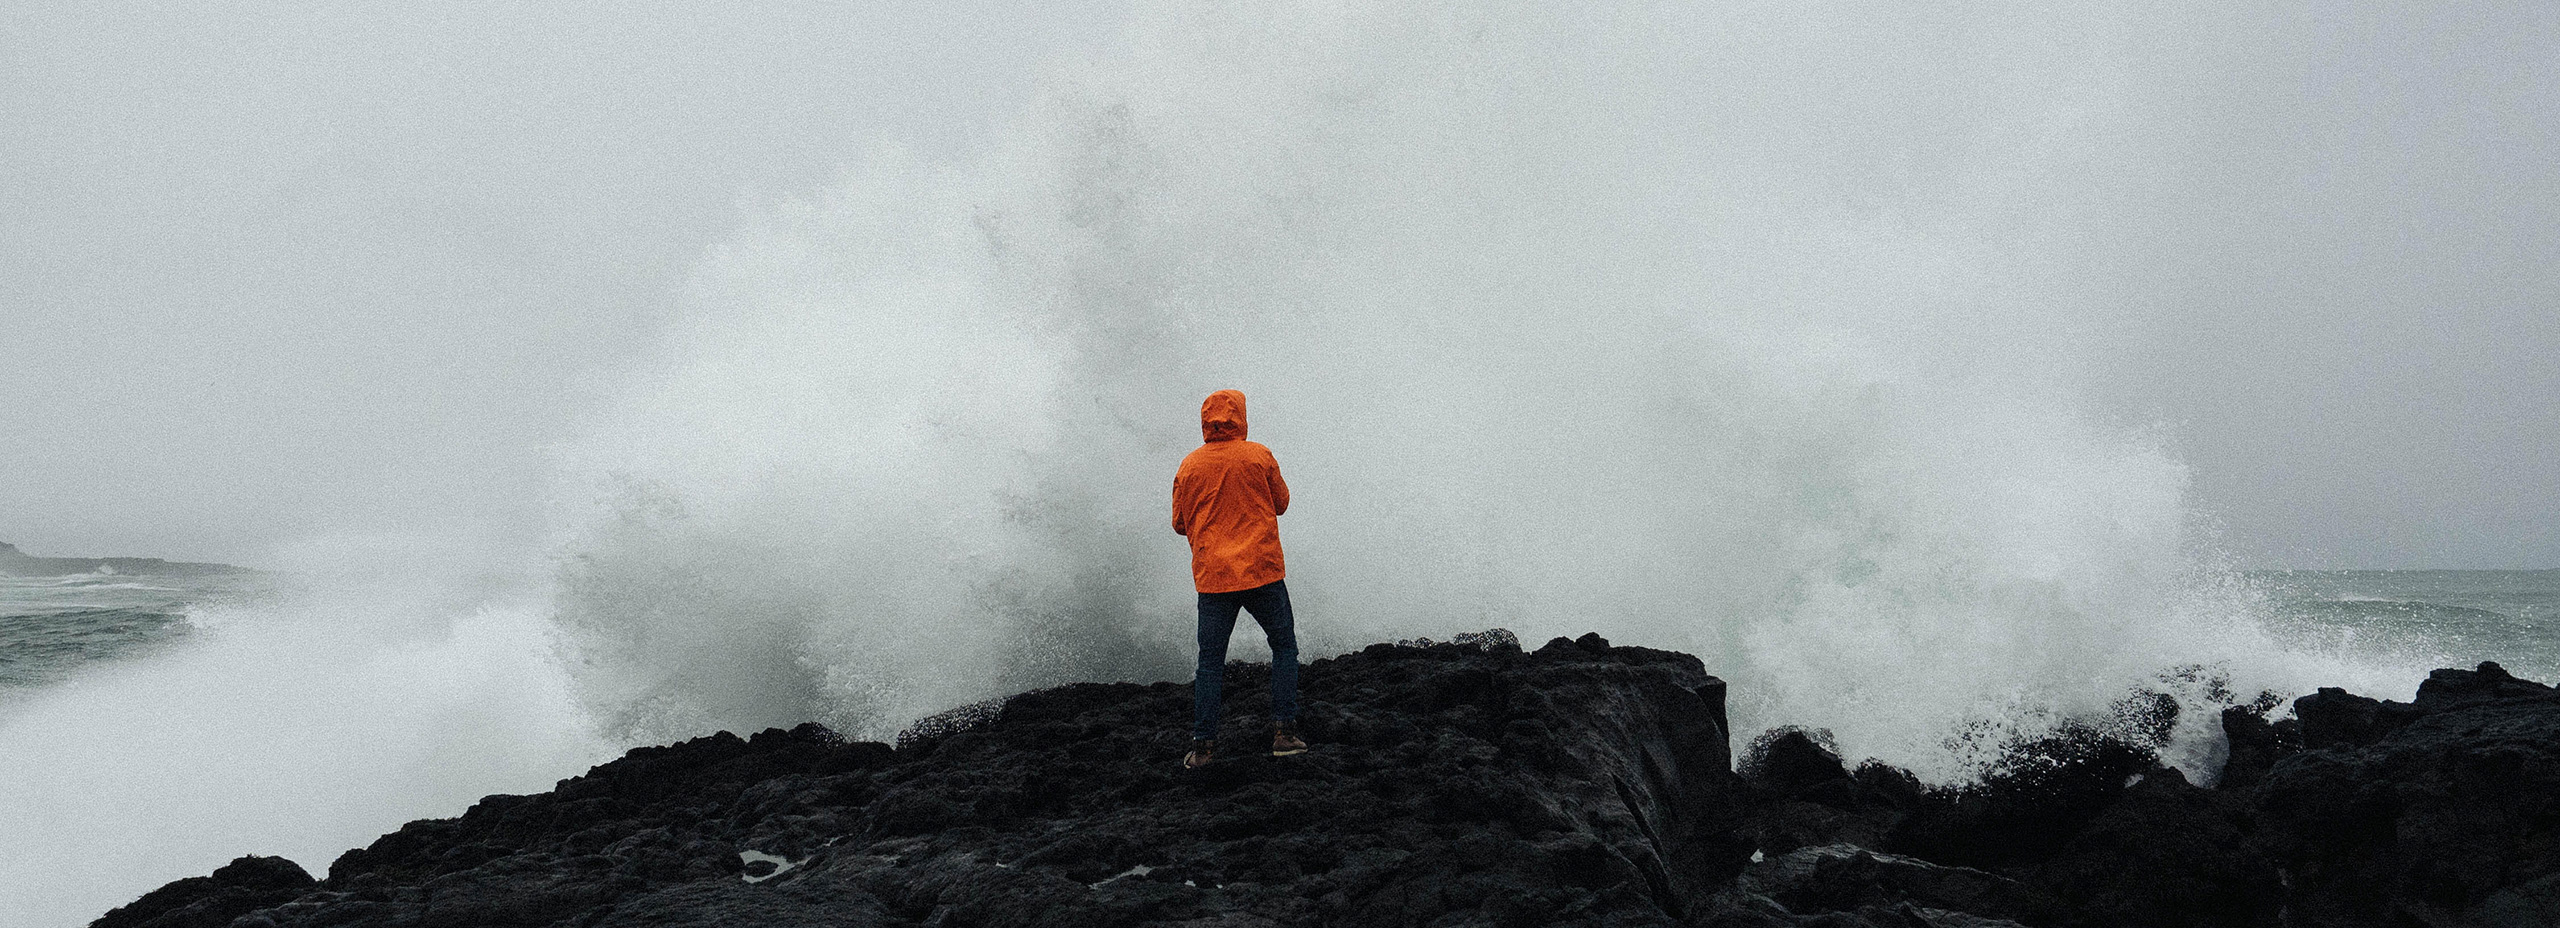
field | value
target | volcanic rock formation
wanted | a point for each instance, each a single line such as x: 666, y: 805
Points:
x: 1477, y: 784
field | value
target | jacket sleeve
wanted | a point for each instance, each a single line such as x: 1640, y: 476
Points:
x: 1181, y: 525
x: 1279, y: 489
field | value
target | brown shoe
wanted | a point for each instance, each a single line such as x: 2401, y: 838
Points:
x: 1285, y: 740
x: 1201, y: 753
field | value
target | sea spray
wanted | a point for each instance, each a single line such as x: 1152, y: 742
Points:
x: 1735, y: 331
x: 396, y: 682
x: 1755, y: 331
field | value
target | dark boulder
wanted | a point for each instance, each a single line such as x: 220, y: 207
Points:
x: 2334, y: 717
x: 242, y: 886
x: 1794, y: 762
x: 2443, y: 811
x: 2163, y: 854
x: 2450, y: 688
x: 2041, y: 793
x: 1803, y: 796
x: 2254, y: 745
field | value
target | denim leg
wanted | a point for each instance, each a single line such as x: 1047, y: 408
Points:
x: 1270, y: 606
x: 1208, y: 682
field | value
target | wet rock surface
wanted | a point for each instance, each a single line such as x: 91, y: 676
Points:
x: 2441, y: 811
x: 1477, y: 784
x: 238, y: 888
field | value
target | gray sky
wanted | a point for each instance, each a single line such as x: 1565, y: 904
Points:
x: 269, y: 271
x: 2358, y: 289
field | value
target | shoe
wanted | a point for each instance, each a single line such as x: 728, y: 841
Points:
x: 1201, y: 753
x: 1285, y: 740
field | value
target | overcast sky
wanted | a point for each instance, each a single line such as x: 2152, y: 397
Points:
x: 274, y: 271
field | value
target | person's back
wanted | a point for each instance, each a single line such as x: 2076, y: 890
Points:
x: 1227, y: 499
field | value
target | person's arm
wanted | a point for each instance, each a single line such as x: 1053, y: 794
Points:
x: 1181, y: 526
x: 1279, y: 490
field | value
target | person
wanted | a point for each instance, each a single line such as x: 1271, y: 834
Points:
x: 1227, y: 499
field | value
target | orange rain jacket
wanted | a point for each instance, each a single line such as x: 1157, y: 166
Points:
x: 1227, y: 498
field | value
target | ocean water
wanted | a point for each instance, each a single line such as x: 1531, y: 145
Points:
x: 50, y: 627
x: 1758, y: 332
x: 155, y: 727
x: 345, y: 736
x: 54, y: 628
x: 2438, y: 618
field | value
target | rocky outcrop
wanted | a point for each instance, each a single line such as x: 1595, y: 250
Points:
x: 239, y: 888
x: 2357, y: 812
x: 1478, y: 784
x: 2442, y: 811
x: 1581, y: 784
x: 16, y: 563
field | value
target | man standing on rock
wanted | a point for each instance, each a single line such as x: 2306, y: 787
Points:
x: 1227, y: 498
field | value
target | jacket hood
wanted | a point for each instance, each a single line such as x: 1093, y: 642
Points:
x: 1222, y: 416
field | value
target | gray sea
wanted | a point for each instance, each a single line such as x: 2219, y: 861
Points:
x: 2439, y: 618
x: 50, y: 627
x: 306, y: 751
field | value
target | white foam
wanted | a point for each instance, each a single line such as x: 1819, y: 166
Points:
x: 1136, y: 870
x: 781, y: 865
x: 1739, y: 330
x: 1549, y: 329
x: 303, y: 729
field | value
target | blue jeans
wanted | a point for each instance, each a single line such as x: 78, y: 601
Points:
x: 1270, y: 606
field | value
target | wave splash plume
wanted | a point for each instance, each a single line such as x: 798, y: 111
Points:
x: 1740, y: 333
x: 1755, y: 333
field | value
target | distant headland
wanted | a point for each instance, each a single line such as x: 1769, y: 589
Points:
x: 16, y: 563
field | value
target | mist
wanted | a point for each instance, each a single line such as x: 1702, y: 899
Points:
x: 273, y: 274
x: 1545, y: 338
x: 612, y: 379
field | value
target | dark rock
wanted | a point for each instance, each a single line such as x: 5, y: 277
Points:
x: 2254, y: 746
x: 2453, y: 689
x: 2164, y: 854
x: 1791, y: 762
x: 1490, y: 639
x: 1469, y: 783
x: 2334, y: 716
x: 242, y: 886
x: 1891, y: 786
x: 2039, y: 794
x: 2445, y: 811
x: 971, y: 717
x: 1848, y: 879
x: 1463, y: 783
x: 1803, y: 797
x: 2146, y: 718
